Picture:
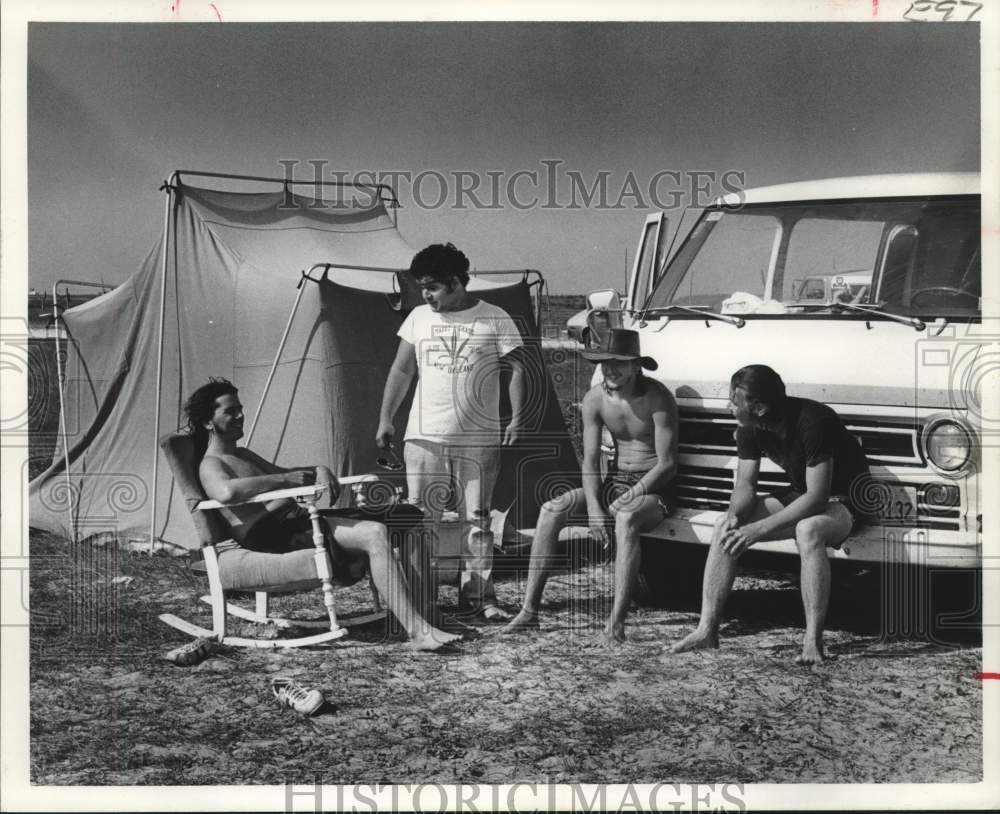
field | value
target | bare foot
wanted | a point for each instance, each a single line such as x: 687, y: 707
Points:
x: 525, y: 620
x: 697, y: 640
x: 613, y: 635
x: 432, y: 639
x: 812, y: 652
x: 434, y: 617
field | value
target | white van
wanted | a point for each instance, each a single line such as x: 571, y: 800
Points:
x: 863, y: 293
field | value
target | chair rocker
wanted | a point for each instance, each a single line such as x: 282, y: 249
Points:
x: 213, y: 531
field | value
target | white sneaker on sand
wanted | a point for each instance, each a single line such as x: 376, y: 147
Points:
x: 289, y: 693
x: 491, y: 615
x: 194, y: 652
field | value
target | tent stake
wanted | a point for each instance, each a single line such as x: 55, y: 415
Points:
x: 159, y: 354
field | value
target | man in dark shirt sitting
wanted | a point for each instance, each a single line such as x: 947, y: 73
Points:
x: 826, y: 467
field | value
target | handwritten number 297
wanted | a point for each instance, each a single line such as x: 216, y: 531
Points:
x: 919, y: 9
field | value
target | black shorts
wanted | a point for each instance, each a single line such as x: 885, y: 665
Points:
x: 284, y: 533
x: 617, y: 483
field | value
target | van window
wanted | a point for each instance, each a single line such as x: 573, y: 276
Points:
x: 830, y: 258
x: 946, y: 274
x: 728, y: 252
x: 918, y: 257
x: 651, y: 259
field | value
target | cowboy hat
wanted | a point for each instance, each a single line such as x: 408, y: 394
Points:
x: 620, y: 344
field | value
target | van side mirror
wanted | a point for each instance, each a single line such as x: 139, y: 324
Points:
x: 605, y: 313
x: 606, y: 299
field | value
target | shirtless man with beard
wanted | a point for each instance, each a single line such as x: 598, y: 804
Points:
x: 275, y: 539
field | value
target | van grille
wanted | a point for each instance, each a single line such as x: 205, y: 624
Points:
x: 887, y: 443
x: 703, y: 487
x: 704, y: 433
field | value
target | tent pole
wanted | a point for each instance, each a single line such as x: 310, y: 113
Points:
x: 62, y: 417
x: 159, y: 355
x: 526, y: 274
x: 56, y: 320
x: 377, y: 187
x: 277, y: 358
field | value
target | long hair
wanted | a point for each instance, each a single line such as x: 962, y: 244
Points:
x: 441, y: 262
x: 200, y: 407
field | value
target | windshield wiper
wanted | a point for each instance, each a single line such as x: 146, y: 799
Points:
x: 914, y: 322
x: 706, y: 312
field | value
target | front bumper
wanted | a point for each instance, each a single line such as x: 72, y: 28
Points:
x: 869, y: 543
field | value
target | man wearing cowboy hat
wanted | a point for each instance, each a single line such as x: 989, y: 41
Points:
x: 641, y: 415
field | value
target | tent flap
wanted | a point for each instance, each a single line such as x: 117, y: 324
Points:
x: 234, y: 261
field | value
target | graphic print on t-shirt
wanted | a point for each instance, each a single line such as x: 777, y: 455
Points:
x: 455, y: 358
x: 457, y: 399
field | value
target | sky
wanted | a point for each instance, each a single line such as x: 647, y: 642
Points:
x: 114, y: 108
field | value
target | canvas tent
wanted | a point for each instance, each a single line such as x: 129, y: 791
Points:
x: 215, y: 298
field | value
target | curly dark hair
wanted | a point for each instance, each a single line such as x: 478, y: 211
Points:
x: 441, y: 262
x: 200, y: 407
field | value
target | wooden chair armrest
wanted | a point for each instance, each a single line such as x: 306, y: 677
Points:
x: 298, y: 493
x: 215, y: 545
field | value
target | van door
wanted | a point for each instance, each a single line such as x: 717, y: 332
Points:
x: 650, y: 259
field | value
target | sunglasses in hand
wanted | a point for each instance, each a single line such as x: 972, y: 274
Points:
x: 392, y: 462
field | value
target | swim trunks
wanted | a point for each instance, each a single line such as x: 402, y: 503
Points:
x: 617, y: 483
x: 291, y: 532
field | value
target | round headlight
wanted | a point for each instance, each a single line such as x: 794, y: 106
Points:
x: 948, y: 444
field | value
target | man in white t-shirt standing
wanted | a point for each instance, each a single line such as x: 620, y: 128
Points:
x: 457, y: 344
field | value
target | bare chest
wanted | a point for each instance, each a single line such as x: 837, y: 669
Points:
x: 240, y: 467
x: 627, y: 420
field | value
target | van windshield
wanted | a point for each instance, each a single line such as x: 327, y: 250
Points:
x: 918, y: 257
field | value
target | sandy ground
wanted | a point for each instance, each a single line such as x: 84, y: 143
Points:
x: 551, y: 706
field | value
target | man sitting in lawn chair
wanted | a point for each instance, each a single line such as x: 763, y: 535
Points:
x: 641, y: 415
x: 274, y: 539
